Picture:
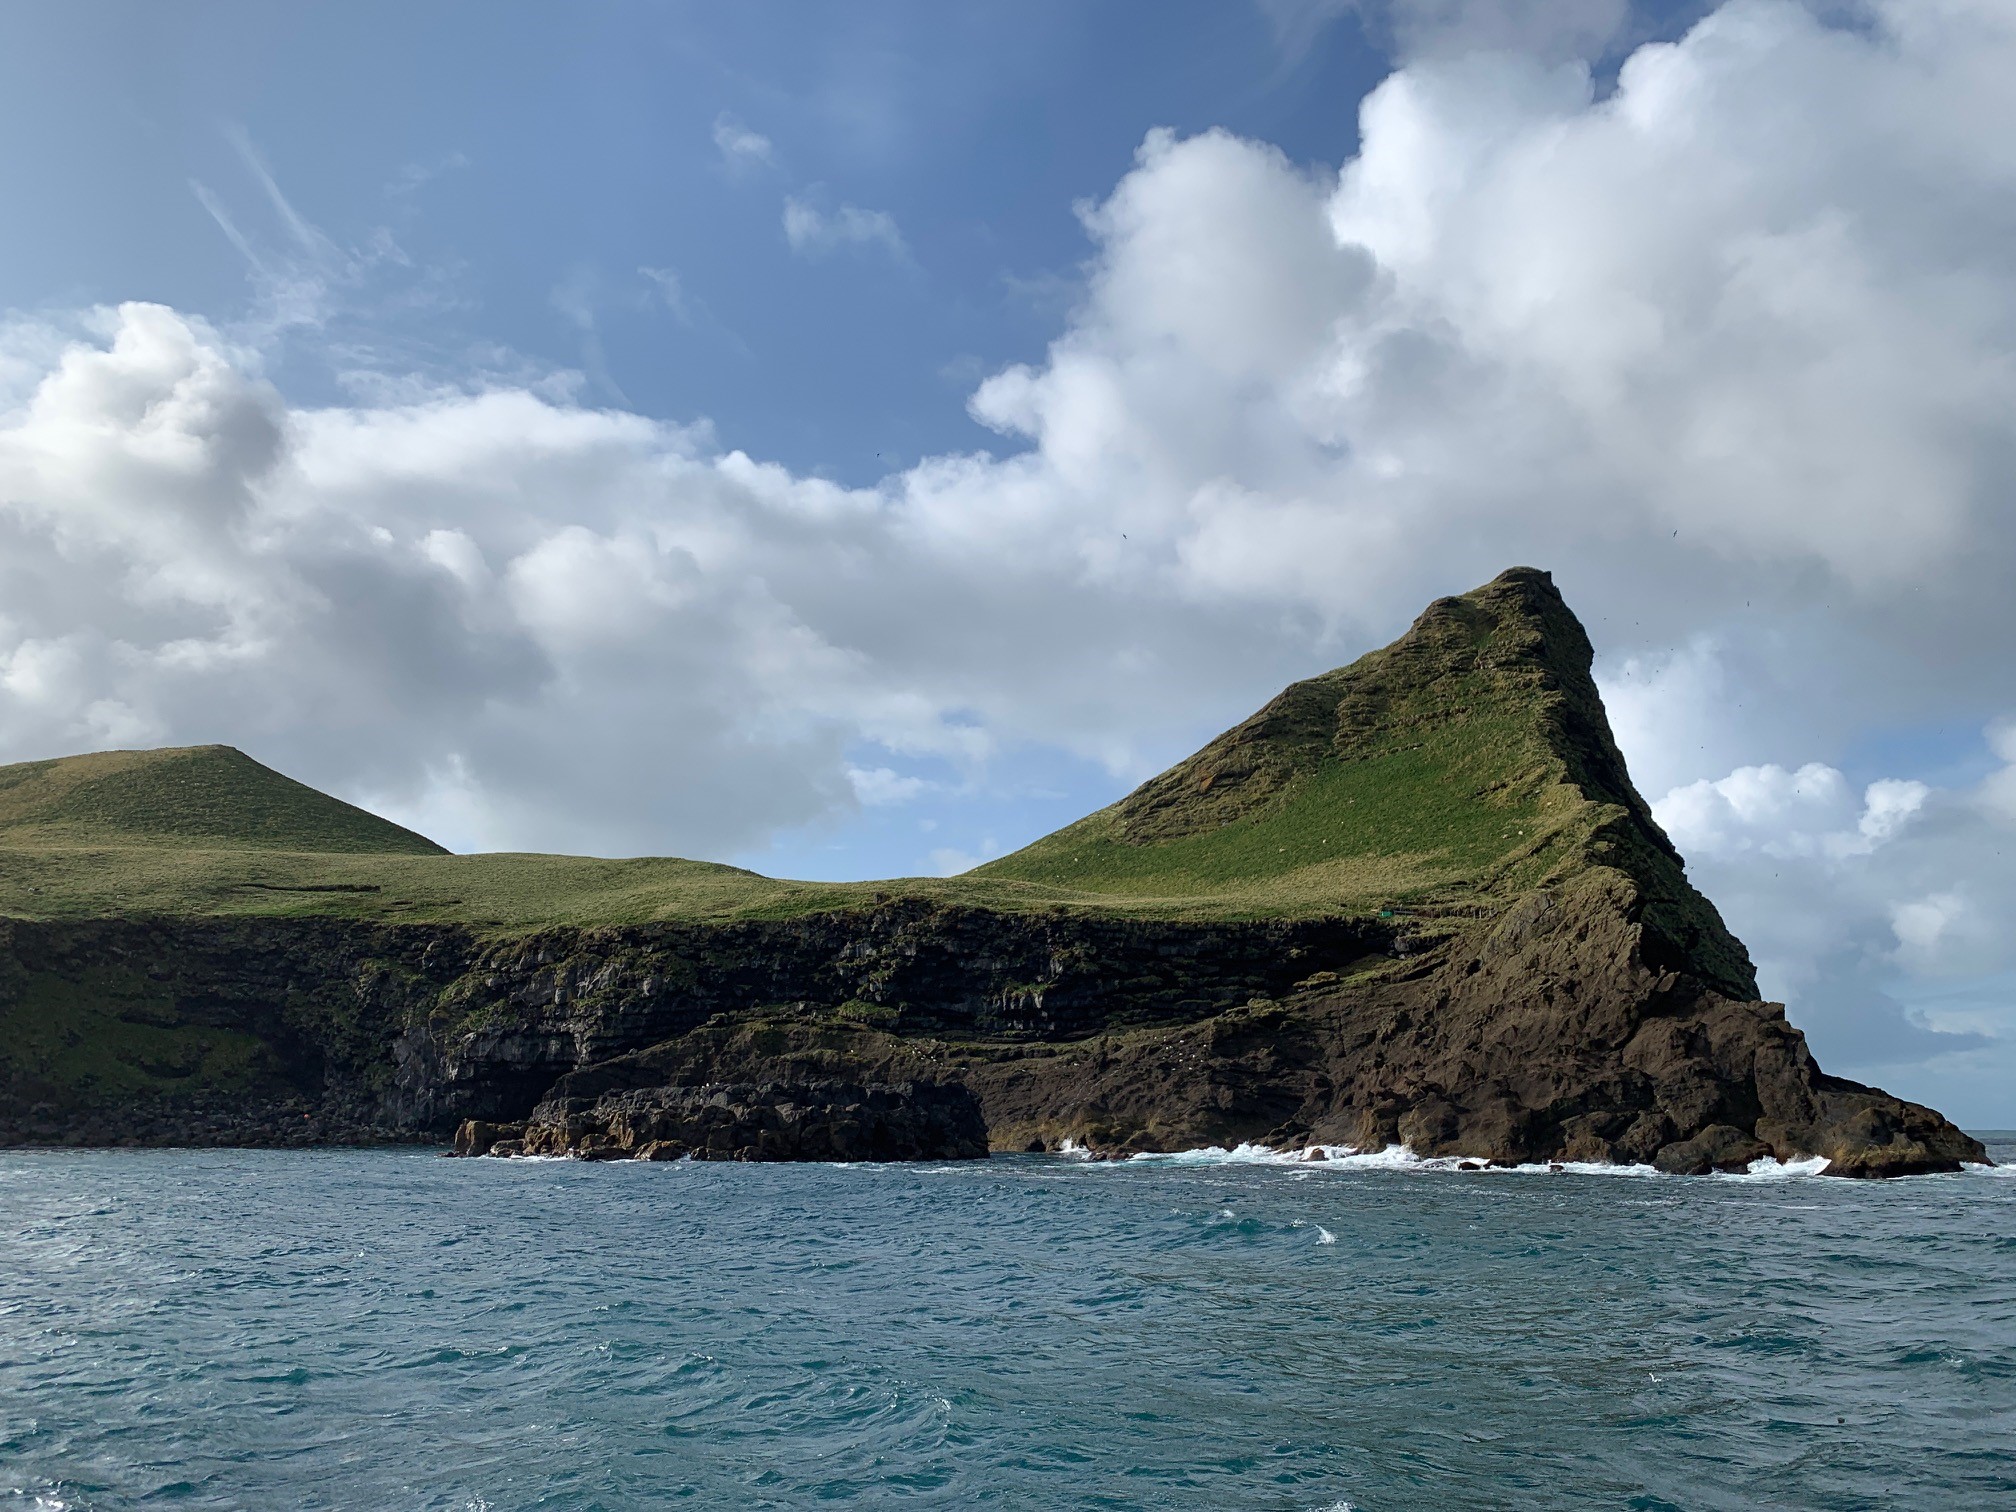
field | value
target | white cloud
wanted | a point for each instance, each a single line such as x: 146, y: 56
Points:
x: 1927, y: 927
x: 1855, y: 902
x: 1776, y: 813
x: 302, y: 279
x: 740, y: 148
x: 1543, y: 28
x: 415, y: 176
x: 812, y: 231
x: 882, y: 787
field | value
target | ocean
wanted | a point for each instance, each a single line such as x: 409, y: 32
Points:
x: 386, y: 1329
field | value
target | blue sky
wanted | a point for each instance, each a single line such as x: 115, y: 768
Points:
x: 531, y: 167
x: 853, y: 440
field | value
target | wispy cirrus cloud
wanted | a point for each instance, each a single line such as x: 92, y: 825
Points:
x: 298, y: 274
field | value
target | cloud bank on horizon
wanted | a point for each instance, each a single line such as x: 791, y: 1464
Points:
x: 1729, y: 348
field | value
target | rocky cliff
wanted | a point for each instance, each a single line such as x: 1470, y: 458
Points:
x: 1416, y: 900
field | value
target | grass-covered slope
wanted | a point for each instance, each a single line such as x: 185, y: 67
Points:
x: 1464, y: 764
x: 1451, y: 771
x: 193, y: 797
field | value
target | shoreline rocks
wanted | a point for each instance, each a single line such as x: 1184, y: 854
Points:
x: 824, y: 1120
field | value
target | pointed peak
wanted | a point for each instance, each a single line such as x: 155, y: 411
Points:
x: 1519, y: 614
x: 1469, y: 757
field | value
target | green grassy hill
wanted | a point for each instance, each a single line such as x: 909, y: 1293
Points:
x: 1467, y: 761
x: 1460, y: 757
x: 206, y: 797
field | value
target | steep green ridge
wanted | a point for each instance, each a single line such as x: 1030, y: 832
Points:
x: 1438, y: 760
x: 1463, y: 764
x: 1468, y: 761
x: 193, y: 796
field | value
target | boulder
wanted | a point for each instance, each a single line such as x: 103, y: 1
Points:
x: 1719, y: 1147
x: 475, y: 1137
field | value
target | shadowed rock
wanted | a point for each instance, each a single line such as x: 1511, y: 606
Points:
x: 816, y: 1120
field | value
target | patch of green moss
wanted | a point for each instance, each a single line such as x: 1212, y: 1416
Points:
x: 870, y: 1015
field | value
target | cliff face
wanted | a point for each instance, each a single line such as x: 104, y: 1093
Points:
x: 1511, y: 965
x: 206, y: 1028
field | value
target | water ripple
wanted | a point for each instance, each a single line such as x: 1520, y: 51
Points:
x: 350, y: 1329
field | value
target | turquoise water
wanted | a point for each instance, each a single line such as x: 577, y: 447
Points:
x: 388, y: 1329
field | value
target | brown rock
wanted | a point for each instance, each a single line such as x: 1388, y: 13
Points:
x: 1719, y: 1147
x: 475, y: 1137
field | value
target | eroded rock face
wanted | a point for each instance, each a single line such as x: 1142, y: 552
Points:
x: 1554, y: 1039
x: 782, y: 1121
x: 1566, y: 1025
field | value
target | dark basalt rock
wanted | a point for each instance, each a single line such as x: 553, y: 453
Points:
x: 784, y: 1121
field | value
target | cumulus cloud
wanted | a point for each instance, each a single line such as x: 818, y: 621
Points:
x: 1851, y: 898
x: 1728, y: 347
x: 813, y: 231
x: 882, y: 787
x: 1768, y: 811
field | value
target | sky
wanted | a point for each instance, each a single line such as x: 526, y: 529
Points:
x: 852, y: 441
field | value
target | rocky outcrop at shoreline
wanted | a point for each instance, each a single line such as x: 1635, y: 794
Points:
x: 777, y: 1121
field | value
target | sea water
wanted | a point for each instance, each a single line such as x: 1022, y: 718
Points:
x: 389, y: 1329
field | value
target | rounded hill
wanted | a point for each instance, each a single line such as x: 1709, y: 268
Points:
x: 202, y: 797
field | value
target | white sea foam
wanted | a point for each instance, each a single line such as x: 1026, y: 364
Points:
x: 1769, y: 1169
x: 1397, y: 1157
x: 1324, y: 1236
x: 1979, y: 1168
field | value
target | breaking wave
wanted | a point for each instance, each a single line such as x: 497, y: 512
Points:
x: 1398, y: 1157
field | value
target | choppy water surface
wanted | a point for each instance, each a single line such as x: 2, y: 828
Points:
x: 378, y: 1330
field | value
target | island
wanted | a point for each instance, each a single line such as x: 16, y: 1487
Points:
x: 1414, y: 901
